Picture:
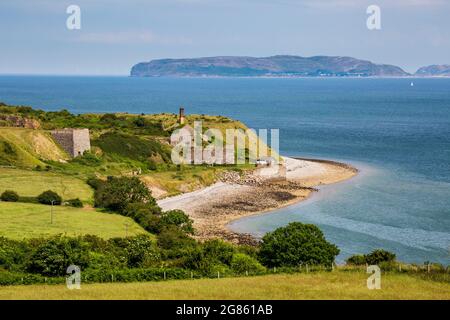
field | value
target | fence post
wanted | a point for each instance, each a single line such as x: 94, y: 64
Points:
x: 307, y: 269
x: 428, y: 267
x: 164, y: 275
x: 218, y: 274
x: 192, y: 275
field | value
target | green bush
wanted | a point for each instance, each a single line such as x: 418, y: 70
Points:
x: 356, y: 260
x: 94, y: 182
x: 9, y: 196
x: 13, y: 254
x: 242, y: 263
x: 76, y: 203
x: 376, y: 257
x: 172, y: 238
x: 49, y: 197
x: 145, y: 214
x: 87, y: 159
x: 210, y: 257
x: 177, y: 218
x: 139, y: 251
x: 296, y: 244
x: 54, y: 256
x: 379, y: 255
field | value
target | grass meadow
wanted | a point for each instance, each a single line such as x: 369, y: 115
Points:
x: 28, y: 183
x: 317, y: 285
x: 26, y: 220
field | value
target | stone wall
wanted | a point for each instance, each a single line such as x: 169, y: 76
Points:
x: 74, y: 141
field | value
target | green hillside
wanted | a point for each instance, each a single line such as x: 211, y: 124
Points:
x: 25, y: 220
x: 30, y: 183
x: 28, y: 148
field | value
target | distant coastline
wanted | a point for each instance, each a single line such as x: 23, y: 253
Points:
x: 280, y: 66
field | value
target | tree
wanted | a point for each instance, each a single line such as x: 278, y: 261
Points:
x: 49, y: 197
x: 117, y: 192
x: 296, y: 244
x: 9, y: 196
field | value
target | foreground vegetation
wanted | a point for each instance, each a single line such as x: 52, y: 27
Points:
x: 320, y: 285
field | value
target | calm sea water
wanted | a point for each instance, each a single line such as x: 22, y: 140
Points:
x: 398, y: 135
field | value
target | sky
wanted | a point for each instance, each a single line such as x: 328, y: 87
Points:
x: 116, y: 34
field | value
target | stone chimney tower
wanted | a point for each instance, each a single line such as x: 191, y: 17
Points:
x: 181, y: 118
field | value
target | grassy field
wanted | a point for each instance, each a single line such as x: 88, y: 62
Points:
x: 24, y: 220
x: 335, y: 285
x: 32, y: 183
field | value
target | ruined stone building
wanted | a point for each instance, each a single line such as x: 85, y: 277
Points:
x: 74, y: 141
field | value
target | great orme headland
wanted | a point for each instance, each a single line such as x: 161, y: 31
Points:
x: 277, y: 66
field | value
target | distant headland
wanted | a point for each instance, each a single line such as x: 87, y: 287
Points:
x: 277, y: 66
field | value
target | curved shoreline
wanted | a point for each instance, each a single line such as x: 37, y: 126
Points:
x: 215, y: 207
x: 313, y: 189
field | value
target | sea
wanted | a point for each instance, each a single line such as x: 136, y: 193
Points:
x: 397, y: 134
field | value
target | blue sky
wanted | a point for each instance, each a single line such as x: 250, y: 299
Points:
x: 116, y: 34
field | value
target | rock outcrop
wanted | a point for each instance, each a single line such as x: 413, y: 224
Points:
x: 21, y: 122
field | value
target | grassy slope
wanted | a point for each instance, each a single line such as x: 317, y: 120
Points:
x: 336, y: 285
x: 32, y: 183
x: 29, y: 146
x: 24, y: 220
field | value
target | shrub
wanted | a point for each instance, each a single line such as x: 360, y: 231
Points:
x: 296, y: 244
x: 117, y: 192
x: 9, y: 196
x: 13, y: 254
x: 172, y: 237
x: 49, y: 197
x: 242, y: 263
x: 146, y: 215
x: 218, y: 250
x: 94, y: 182
x: 139, y: 251
x: 87, y: 159
x: 77, y: 203
x: 177, y: 218
x: 210, y: 257
x: 357, y: 260
x: 378, y: 256
x: 54, y: 256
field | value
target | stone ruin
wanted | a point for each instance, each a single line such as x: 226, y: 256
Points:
x: 74, y: 141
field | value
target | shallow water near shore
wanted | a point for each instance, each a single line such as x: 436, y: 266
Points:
x: 398, y: 135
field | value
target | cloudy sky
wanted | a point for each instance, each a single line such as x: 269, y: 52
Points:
x: 116, y: 34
